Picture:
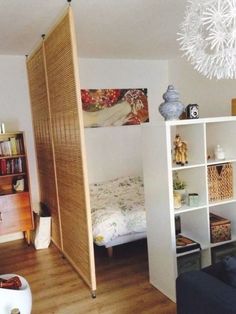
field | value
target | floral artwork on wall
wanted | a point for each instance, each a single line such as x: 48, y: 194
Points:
x: 114, y: 107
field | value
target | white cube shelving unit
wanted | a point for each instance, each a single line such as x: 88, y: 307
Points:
x: 202, y: 136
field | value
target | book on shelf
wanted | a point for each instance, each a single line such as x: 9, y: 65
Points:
x: 8, y: 166
x: 13, y: 146
x: 20, y: 165
x: 3, y: 165
x: 12, y: 168
x: 5, y: 148
x: 19, y: 146
x: 186, y: 245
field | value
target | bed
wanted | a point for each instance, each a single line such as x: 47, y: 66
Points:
x: 118, y: 213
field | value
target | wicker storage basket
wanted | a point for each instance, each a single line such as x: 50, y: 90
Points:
x: 220, y: 229
x: 220, y: 182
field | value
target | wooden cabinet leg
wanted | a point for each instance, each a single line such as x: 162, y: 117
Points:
x: 27, y: 236
x: 110, y: 251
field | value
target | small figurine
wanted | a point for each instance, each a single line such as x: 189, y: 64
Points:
x: 180, y: 148
x: 19, y: 186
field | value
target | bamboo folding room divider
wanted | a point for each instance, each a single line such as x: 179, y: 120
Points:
x: 59, y: 136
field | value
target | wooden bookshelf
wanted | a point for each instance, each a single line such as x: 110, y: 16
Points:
x: 15, y: 208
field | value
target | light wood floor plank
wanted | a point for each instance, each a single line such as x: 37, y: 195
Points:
x: 123, y: 286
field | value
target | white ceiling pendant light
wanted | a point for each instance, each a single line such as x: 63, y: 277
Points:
x: 208, y: 37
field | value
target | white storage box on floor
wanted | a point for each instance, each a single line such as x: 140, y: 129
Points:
x: 43, y: 229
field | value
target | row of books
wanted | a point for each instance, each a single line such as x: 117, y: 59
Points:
x: 11, y: 166
x: 12, y: 146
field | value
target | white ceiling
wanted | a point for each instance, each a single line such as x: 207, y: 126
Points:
x: 137, y: 29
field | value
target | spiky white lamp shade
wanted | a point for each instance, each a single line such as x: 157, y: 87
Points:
x: 208, y: 37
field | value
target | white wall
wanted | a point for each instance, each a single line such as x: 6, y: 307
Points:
x: 116, y: 151
x: 15, y: 110
x: 212, y: 96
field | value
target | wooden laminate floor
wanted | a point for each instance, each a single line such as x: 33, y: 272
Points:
x: 122, y: 282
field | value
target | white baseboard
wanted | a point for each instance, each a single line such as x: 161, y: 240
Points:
x: 11, y: 237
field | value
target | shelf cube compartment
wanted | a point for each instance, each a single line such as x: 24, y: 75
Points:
x: 189, y: 262
x: 221, y: 184
x: 194, y: 178
x: 220, y: 252
x: 194, y: 225
x: 220, y: 228
x: 222, y: 134
x: 193, y: 135
x: 226, y: 211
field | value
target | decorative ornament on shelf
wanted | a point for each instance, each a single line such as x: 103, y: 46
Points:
x: 179, y: 191
x: 177, y: 200
x: 193, y: 199
x: 219, y: 153
x: 20, y: 185
x: 171, y: 108
x: 177, y: 183
x: 192, y: 111
x: 208, y: 37
x: 180, y: 151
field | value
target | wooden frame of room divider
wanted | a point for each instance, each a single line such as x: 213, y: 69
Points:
x: 43, y: 139
x: 233, y: 107
x: 65, y: 135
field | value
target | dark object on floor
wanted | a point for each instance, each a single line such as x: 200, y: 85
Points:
x: 205, y: 292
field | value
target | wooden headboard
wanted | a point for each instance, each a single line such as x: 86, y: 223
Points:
x: 233, y: 107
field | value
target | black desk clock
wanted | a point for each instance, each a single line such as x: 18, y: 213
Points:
x: 192, y: 111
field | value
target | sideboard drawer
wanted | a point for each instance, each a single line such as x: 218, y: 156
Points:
x: 15, y: 213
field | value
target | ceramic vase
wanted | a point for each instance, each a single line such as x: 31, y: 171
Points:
x: 171, y: 108
x: 182, y: 194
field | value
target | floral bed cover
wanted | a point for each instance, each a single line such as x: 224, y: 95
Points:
x: 117, y: 208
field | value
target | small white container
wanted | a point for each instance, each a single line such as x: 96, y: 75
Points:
x: 219, y: 153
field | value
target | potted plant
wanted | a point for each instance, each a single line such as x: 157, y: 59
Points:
x: 179, y: 190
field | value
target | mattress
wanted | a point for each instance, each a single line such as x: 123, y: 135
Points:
x: 117, y: 208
